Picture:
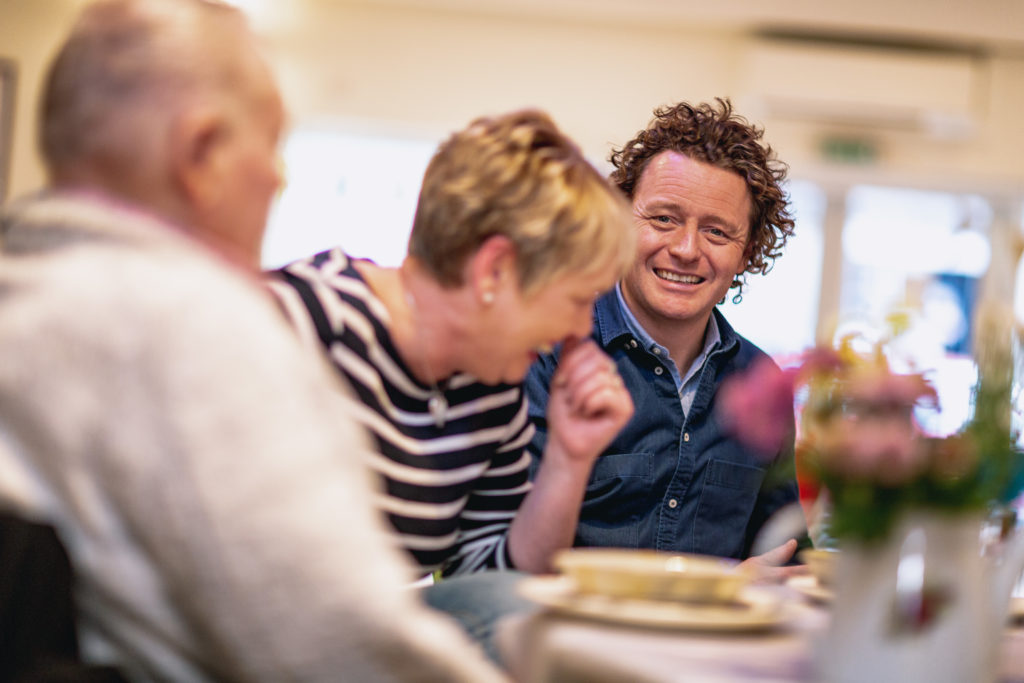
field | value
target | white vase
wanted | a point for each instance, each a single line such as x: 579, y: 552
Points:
x: 919, y: 605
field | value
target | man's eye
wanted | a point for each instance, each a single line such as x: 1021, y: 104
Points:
x: 662, y: 219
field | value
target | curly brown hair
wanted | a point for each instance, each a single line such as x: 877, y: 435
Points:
x: 716, y: 135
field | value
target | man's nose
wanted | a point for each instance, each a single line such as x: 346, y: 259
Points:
x: 684, y: 243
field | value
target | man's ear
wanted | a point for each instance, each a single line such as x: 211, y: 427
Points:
x: 492, y: 267
x: 196, y: 140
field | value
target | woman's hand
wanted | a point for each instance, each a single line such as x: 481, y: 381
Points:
x: 588, y: 403
x: 587, y: 406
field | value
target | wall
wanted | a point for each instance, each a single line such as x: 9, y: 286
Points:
x: 434, y: 72
x: 424, y: 73
x: 429, y: 72
x: 29, y: 33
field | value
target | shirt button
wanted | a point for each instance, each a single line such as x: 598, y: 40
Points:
x: 673, y: 503
x: 633, y: 343
x: 686, y: 436
x: 657, y: 351
x: 658, y: 370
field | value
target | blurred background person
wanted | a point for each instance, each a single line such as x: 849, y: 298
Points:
x: 200, y: 467
x: 708, y: 207
x: 515, y: 234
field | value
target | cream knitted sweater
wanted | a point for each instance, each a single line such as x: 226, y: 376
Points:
x: 196, y: 463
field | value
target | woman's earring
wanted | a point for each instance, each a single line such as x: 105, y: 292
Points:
x: 487, y: 297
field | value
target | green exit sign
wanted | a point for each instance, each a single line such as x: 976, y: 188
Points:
x: 849, y: 150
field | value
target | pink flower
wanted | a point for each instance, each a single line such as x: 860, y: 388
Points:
x: 858, y: 421
x: 757, y: 406
x: 874, y: 447
x: 864, y: 427
x: 878, y: 387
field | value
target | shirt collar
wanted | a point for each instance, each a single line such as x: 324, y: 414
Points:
x: 712, y: 338
x: 633, y: 325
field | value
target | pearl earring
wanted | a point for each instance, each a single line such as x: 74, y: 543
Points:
x: 488, y: 297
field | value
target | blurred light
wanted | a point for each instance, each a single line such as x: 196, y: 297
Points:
x: 268, y: 15
x: 916, y: 232
x: 355, y: 191
x: 785, y: 330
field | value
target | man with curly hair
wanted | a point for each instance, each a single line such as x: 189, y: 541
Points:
x: 709, y: 208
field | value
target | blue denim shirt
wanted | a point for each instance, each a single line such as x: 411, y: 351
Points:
x: 685, y: 385
x: 671, y: 481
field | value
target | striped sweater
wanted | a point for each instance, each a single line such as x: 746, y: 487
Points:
x: 450, y: 492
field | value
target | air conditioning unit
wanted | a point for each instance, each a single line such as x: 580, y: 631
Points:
x: 928, y: 91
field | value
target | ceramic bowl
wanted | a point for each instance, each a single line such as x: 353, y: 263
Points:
x: 652, y: 575
x: 822, y: 564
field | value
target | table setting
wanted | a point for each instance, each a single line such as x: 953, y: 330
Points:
x: 631, y: 625
x: 657, y: 590
x: 616, y: 614
x: 914, y: 574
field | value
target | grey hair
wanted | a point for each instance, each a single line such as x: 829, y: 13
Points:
x: 126, y: 66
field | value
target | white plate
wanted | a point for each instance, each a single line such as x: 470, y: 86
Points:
x: 755, y: 610
x: 809, y: 587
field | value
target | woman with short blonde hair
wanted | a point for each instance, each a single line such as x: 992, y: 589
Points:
x: 515, y: 235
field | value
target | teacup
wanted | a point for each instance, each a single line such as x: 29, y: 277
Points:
x: 822, y: 563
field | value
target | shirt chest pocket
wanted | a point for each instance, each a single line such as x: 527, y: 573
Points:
x: 726, y: 504
x: 618, y: 495
x: 621, y: 466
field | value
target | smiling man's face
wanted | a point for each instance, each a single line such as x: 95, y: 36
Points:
x: 693, y: 227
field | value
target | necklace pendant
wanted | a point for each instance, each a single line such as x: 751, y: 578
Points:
x: 438, y: 406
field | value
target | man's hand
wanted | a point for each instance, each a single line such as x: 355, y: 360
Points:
x: 588, y: 403
x: 767, y: 567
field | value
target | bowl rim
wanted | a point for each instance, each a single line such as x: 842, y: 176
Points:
x: 645, y: 561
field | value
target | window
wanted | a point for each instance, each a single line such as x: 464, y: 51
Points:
x: 354, y: 191
x: 922, y: 253
x: 779, y: 311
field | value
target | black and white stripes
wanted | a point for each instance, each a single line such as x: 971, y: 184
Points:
x: 450, y: 492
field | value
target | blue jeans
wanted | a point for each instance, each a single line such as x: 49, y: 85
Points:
x: 478, y: 601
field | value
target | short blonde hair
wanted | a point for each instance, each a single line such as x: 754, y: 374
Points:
x: 518, y: 176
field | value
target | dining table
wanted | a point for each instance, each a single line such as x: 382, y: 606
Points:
x: 558, y: 641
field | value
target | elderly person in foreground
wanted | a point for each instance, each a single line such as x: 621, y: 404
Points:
x: 201, y: 468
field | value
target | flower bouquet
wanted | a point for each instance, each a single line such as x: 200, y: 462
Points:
x: 916, y: 597
x: 861, y: 442
x: 858, y: 438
